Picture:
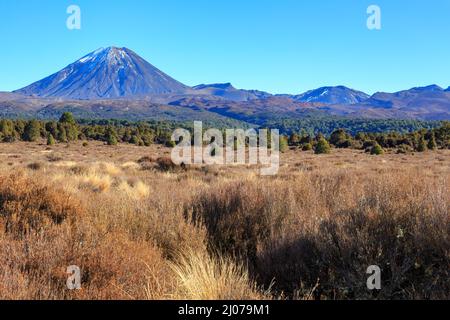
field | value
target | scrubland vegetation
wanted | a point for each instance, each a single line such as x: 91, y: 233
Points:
x: 141, y: 228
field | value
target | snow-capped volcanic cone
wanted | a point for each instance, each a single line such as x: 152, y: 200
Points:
x: 104, y: 74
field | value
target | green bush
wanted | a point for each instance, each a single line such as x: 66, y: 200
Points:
x: 111, y: 140
x: 422, y: 146
x: 111, y: 136
x: 376, y: 150
x: 340, y: 139
x: 432, y: 145
x: 283, y: 144
x: 322, y: 147
x: 50, y: 140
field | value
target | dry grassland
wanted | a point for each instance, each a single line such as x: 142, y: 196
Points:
x: 141, y: 230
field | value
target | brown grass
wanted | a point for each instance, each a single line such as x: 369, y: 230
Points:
x: 222, y: 233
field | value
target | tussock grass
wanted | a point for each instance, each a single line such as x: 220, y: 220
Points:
x: 201, y: 277
x: 96, y: 182
x: 134, y: 189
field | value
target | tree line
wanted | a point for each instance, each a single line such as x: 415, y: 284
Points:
x: 375, y: 142
x: 112, y: 132
x: 316, y: 124
x: 67, y: 130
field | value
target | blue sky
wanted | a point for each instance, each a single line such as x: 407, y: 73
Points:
x: 280, y: 46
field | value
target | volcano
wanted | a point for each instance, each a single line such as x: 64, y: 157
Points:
x: 107, y: 73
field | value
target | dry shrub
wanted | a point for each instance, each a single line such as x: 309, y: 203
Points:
x: 45, y: 230
x: 27, y: 205
x: 328, y: 229
x: 166, y: 164
x: 112, y: 266
x: 238, y: 217
x: 310, y: 233
x: 36, y: 166
x: 118, y: 268
x: 147, y: 163
x: 201, y: 277
x: 155, y: 220
x: 146, y: 159
x: 80, y: 170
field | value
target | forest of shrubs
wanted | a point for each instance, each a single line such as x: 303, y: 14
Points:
x: 67, y: 129
x: 375, y: 143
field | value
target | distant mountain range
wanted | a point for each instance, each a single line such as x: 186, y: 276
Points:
x: 426, y: 103
x: 117, y: 83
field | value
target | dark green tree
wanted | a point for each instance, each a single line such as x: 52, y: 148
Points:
x: 62, y: 135
x: 52, y: 128
x: 422, y: 145
x: 67, y: 117
x: 294, y: 139
x: 111, y: 136
x: 32, y: 131
x: 432, y: 145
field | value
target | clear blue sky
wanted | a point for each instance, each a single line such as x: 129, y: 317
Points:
x: 281, y: 46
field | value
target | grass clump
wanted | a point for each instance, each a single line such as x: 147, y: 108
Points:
x: 202, y: 277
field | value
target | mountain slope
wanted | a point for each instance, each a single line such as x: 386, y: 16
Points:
x: 228, y: 92
x: 333, y: 95
x: 106, y: 73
